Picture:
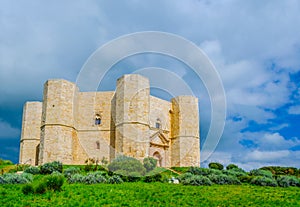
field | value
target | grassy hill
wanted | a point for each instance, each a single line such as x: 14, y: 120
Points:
x: 152, y: 194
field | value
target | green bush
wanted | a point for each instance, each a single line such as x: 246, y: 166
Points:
x: 54, y: 181
x: 2, y: 180
x: 13, y: 178
x: 88, y: 167
x: 231, y: 166
x: 5, y: 162
x: 184, y: 176
x: 76, y: 178
x: 203, y: 171
x: 264, y: 181
x: 236, y: 172
x: 127, y: 164
x: 129, y: 176
x: 246, y: 178
x: 215, y: 165
x: 152, y: 178
x: 51, y: 167
x: 286, y: 181
x: 27, y: 189
x: 32, y: 170
x: 224, y: 179
x: 264, y: 173
x: 40, y: 188
x: 149, y: 163
x: 197, y: 180
x: 277, y: 170
x: 115, y: 179
x: 71, y: 171
x: 93, y: 178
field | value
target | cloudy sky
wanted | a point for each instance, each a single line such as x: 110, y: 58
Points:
x: 254, y: 45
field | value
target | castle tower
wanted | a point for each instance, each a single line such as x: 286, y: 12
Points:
x: 131, y: 116
x: 30, y: 137
x: 185, y: 142
x: 57, y: 128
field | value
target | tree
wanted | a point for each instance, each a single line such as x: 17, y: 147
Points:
x: 215, y: 165
x: 149, y: 163
x: 127, y: 165
x: 231, y: 166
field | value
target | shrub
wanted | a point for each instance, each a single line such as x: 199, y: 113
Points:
x: 264, y: 181
x: 130, y: 177
x: 71, y: 171
x: 2, y: 180
x: 128, y: 165
x: 51, y: 167
x: 152, y: 178
x: 149, y: 163
x: 27, y: 189
x: 246, y: 178
x: 12, y: 178
x: 264, y: 173
x: 27, y: 176
x: 54, y: 181
x: 184, y: 176
x: 286, y: 181
x: 32, y: 170
x: 197, y: 180
x: 224, y: 179
x: 236, y: 172
x: 76, y: 178
x: 134, y: 177
x: 231, y: 166
x: 5, y: 162
x: 277, y: 170
x: 115, y: 179
x: 215, y: 165
x: 41, y: 188
x: 93, y: 178
x: 203, y: 171
x: 88, y: 168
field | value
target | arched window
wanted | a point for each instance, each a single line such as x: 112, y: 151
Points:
x: 158, y: 124
x: 97, y: 145
x: 97, y: 119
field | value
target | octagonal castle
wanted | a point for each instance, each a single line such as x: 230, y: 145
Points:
x: 71, y: 126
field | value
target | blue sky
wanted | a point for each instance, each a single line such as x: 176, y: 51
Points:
x: 255, y: 46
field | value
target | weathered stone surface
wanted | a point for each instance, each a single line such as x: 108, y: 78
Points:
x: 71, y: 126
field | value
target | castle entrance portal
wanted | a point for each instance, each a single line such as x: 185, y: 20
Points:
x: 158, y: 157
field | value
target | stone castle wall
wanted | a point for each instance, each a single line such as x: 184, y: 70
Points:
x: 30, y: 135
x: 133, y: 123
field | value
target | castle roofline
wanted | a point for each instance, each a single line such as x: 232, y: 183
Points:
x: 58, y: 80
x: 132, y: 76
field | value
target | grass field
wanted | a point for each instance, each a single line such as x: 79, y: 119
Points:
x: 153, y: 194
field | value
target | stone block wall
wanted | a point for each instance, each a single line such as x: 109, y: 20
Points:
x: 30, y: 135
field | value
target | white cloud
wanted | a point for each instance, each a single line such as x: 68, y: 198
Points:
x: 276, y: 142
x: 294, y: 110
x: 39, y: 41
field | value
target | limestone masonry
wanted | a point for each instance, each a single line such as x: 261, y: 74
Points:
x: 71, y: 126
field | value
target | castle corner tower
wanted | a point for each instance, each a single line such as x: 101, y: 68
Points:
x: 185, y: 143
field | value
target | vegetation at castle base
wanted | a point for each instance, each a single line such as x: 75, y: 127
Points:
x: 277, y: 170
x: 127, y: 166
x: 6, y: 166
x: 5, y: 162
x: 152, y: 194
x: 134, y: 183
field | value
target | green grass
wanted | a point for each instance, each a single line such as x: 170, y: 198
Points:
x: 153, y: 194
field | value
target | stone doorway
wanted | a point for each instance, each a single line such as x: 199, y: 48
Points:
x: 158, y: 157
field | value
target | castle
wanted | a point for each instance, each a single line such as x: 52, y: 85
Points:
x: 71, y: 126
